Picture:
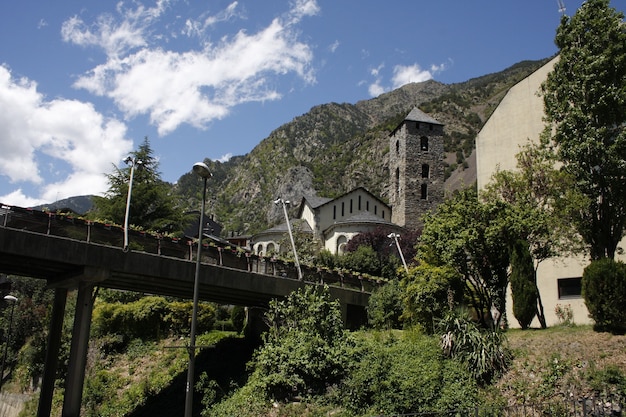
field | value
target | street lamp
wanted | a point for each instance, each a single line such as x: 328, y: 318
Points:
x: 293, y: 245
x: 202, y: 170
x: 395, y: 237
x: 8, y: 338
x: 132, y: 162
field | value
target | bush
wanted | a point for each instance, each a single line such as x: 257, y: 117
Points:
x: 406, y: 375
x: 385, y: 306
x: 523, y: 287
x: 604, y: 291
x: 306, y: 350
x: 483, y: 350
x: 430, y: 292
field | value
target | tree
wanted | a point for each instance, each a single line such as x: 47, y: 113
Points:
x: 541, y: 207
x: 306, y: 349
x: 470, y: 236
x: 384, y: 251
x: 152, y: 204
x: 523, y: 284
x: 429, y: 293
x: 585, y: 107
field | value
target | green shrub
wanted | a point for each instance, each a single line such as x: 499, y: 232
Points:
x: 483, y: 350
x: 406, y: 375
x: 306, y: 349
x: 238, y: 318
x: 523, y: 287
x: 385, y: 306
x: 604, y: 291
x: 430, y: 292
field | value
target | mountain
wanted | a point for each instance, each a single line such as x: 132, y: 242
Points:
x: 79, y: 205
x: 336, y: 147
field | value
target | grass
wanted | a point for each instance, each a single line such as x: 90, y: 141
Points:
x: 564, y: 362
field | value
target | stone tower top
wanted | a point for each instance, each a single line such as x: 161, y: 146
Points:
x: 416, y: 168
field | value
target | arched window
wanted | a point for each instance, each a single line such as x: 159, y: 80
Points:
x: 424, y: 143
x: 271, y: 248
x: 425, y: 171
x: 424, y: 192
x: 342, y: 241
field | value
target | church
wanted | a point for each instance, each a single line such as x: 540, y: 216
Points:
x: 416, y: 186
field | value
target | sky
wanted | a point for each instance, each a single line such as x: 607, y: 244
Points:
x: 83, y: 82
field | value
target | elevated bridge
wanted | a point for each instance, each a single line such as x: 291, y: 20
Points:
x: 71, y: 253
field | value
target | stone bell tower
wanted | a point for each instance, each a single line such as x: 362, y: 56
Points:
x: 416, y: 168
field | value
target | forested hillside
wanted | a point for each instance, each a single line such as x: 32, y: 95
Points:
x: 336, y: 147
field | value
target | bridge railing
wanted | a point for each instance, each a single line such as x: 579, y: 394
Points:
x: 72, y: 227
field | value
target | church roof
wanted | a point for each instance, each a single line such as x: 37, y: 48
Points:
x: 282, y: 228
x: 416, y: 115
x: 315, y: 201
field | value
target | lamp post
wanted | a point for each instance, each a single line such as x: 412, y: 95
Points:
x: 202, y: 170
x: 8, y: 338
x: 395, y: 237
x: 132, y: 162
x: 293, y: 245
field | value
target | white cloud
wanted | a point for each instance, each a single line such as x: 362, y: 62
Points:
x: 36, y: 133
x: 18, y: 198
x: 225, y: 157
x: 409, y: 74
x: 195, y: 86
x: 376, y: 89
x: 402, y: 74
x: 333, y: 47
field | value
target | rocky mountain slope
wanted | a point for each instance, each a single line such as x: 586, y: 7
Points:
x: 336, y: 147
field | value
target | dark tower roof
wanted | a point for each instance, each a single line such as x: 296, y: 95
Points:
x: 417, y: 115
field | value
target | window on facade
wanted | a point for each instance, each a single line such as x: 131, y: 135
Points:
x: 343, y: 208
x: 424, y: 143
x: 398, y: 179
x: 397, y: 147
x: 375, y: 209
x: 334, y: 212
x: 359, y: 203
x: 424, y: 191
x: 569, y: 288
x: 425, y: 171
x: 383, y: 213
x: 350, y: 206
x: 367, y: 205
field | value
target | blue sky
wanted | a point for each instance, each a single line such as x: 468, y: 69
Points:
x: 83, y: 82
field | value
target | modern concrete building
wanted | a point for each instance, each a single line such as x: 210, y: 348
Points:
x: 517, y: 121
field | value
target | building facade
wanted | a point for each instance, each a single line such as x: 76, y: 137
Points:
x: 517, y: 121
x: 416, y: 168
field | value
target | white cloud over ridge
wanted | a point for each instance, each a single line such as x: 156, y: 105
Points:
x: 402, y: 75
x: 193, y: 86
x: 34, y: 131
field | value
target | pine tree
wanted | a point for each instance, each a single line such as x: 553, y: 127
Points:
x: 152, y: 206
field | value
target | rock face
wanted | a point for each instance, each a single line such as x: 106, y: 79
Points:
x: 12, y: 404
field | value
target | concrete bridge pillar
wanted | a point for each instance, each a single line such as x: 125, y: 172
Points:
x: 52, y: 353
x: 78, y: 350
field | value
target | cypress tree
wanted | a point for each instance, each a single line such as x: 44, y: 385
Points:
x: 523, y: 286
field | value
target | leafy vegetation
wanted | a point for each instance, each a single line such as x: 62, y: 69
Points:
x: 604, y: 291
x: 584, y: 99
